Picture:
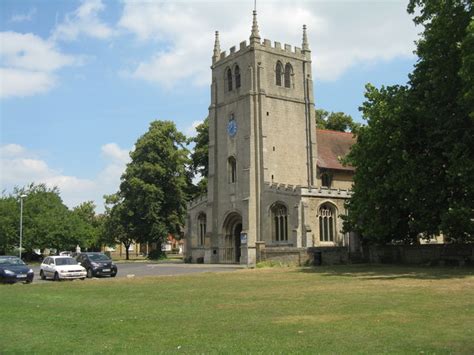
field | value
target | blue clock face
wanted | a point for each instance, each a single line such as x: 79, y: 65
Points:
x: 232, y: 128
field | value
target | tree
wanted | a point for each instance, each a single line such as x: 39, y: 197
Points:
x: 336, y: 121
x: 415, y: 159
x: 153, y: 188
x: 114, y: 230
x: 9, y: 223
x: 200, y: 156
x: 89, y: 224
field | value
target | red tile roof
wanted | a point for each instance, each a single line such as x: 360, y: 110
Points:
x: 332, y: 146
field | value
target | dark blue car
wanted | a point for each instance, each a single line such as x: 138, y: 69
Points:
x: 13, y: 269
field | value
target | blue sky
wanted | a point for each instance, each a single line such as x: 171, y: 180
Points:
x: 80, y: 81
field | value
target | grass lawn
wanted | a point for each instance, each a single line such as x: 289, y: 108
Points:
x: 345, y: 309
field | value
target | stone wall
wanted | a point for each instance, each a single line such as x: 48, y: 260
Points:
x: 284, y: 255
x: 328, y: 256
x: 433, y: 254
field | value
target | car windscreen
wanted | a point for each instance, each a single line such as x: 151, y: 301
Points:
x: 66, y: 261
x: 98, y: 257
x: 11, y: 261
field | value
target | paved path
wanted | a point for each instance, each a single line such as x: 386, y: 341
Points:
x: 137, y: 269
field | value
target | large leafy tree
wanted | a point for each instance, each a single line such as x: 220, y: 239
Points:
x: 415, y: 159
x: 336, y: 121
x: 153, y: 191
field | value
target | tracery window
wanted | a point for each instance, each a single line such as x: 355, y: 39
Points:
x: 288, y: 72
x: 229, y: 79
x: 237, y: 76
x: 327, y: 223
x: 201, y: 228
x: 278, y: 73
x: 279, y: 222
x: 232, y: 170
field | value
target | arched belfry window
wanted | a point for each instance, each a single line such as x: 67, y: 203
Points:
x: 201, y: 228
x: 288, y: 72
x: 279, y: 222
x: 229, y: 79
x: 327, y: 223
x: 237, y: 76
x: 232, y: 170
x: 278, y: 73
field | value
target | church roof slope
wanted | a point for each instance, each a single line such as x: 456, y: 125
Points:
x: 332, y: 147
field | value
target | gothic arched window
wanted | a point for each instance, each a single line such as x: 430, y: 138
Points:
x: 278, y: 73
x: 232, y: 170
x: 327, y: 223
x: 201, y: 228
x: 279, y: 222
x: 229, y: 79
x: 288, y: 72
x: 237, y: 76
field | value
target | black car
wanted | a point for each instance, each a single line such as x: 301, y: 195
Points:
x: 97, y: 264
x: 13, y: 269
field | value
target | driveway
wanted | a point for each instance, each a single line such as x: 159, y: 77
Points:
x: 137, y: 269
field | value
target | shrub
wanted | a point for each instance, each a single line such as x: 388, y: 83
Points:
x: 156, y: 254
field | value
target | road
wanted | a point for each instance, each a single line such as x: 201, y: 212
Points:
x: 138, y: 269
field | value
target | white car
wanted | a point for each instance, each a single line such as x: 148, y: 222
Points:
x: 61, y: 268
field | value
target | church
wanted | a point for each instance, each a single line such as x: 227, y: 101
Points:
x: 276, y: 185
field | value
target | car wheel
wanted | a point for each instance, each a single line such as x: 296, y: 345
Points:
x: 113, y: 274
x: 56, y: 276
x: 28, y: 281
x: 83, y: 278
x: 43, y: 277
x: 89, y: 273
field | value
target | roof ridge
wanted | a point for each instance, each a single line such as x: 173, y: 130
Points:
x: 334, y: 131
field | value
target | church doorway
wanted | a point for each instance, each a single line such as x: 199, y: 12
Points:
x: 230, y: 252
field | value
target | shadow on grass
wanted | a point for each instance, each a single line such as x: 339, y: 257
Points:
x: 391, y: 272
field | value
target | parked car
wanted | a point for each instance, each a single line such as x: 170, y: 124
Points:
x: 97, y: 264
x: 13, y: 269
x: 61, y: 268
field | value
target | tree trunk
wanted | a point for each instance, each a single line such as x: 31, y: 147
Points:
x: 127, y: 245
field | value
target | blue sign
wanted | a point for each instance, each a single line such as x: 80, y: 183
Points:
x: 243, y: 238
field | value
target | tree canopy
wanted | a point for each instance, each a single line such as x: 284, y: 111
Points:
x: 415, y: 158
x: 336, y: 121
x: 47, y: 222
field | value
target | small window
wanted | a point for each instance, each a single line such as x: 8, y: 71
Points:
x: 326, y: 180
x: 232, y: 170
x: 229, y: 80
x: 278, y: 73
x: 288, y: 72
x: 237, y: 76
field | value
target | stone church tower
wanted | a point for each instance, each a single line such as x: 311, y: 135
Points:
x: 263, y: 166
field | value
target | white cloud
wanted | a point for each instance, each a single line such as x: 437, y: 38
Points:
x: 83, y: 21
x: 28, y: 64
x: 341, y: 34
x: 190, y: 131
x: 19, y: 167
x: 24, y: 17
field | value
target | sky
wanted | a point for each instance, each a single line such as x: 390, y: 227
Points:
x: 81, y: 80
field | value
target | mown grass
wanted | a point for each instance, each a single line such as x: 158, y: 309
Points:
x: 361, y: 309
